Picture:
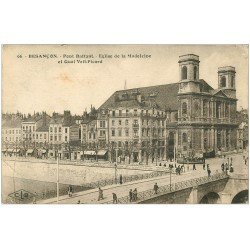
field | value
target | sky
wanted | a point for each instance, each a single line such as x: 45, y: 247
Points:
x: 46, y: 84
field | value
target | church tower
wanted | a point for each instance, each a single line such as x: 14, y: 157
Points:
x: 226, y: 80
x: 189, y: 73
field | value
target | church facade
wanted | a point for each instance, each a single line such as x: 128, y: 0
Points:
x: 206, y: 116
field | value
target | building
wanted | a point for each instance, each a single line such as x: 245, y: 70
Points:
x: 135, y: 122
x: 206, y: 116
x: 11, y: 131
x: 30, y: 125
x: 63, y: 129
x: 42, y: 135
x: 188, y: 118
x: 242, y: 136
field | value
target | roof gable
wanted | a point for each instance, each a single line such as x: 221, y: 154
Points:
x: 219, y: 93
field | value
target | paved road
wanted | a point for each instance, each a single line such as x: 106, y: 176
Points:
x: 91, y: 196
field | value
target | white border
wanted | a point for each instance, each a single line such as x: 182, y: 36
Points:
x: 124, y: 227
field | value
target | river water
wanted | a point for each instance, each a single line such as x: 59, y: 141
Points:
x: 40, y: 177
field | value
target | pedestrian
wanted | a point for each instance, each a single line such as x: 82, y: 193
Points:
x: 120, y: 179
x: 130, y: 195
x: 204, y: 166
x: 79, y: 202
x: 231, y: 169
x: 70, y: 191
x: 222, y: 167
x: 208, y: 171
x: 231, y: 160
x: 194, y: 167
x: 135, y: 194
x: 160, y: 164
x: 156, y: 187
x: 114, y: 198
x: 100, y: 195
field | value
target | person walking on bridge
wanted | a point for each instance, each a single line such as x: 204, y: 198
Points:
x: 70, y: 191
x: 135, y: 194
x: 120, y: 179
x: 208, y: 171
x: 156, y: 187
x: 130, y: 195
x: 100, y: 196
x: 222, y: 167
x: 204, y: 166
x: 114, y: 198
x: 194, y: 167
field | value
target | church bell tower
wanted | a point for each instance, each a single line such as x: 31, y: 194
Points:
x: 189, y: 73
x: 226, y: 80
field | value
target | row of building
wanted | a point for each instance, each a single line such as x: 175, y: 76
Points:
x: 187, y: 118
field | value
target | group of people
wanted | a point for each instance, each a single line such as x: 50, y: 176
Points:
x: 225, y: 167
x: 133, y: 195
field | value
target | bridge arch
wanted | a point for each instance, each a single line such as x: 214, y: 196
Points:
x: 241, y: 197
x: 210, y: 198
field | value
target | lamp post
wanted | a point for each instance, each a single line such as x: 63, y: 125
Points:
x: 170, y: 178
x: 116, y: 161
x: 57, y: 178
x: 189, y: 143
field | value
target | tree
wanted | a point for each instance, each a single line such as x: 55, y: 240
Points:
x: 148, y: 150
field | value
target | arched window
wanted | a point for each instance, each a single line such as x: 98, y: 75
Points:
x: 223, y: 82
x: 184, y: 108
x: 184, y: 137
x: 232, y: 81
x: 184, y: 73
x: 195, y: 73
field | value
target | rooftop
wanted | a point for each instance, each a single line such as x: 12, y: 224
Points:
x: 162, y: 96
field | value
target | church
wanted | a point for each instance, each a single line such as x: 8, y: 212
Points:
x: 187, y: 118
x: 206, y: 116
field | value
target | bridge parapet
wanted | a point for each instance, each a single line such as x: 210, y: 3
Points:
x: 171, y: 188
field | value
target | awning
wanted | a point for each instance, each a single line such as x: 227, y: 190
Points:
x: 30, y: 151
x: 89, y: 153
x: 4, y: 149
x: 43, y: 151
x: 51, y: 151
x: 102, y: 152
x: 16, y: 150
x: 10, y: 150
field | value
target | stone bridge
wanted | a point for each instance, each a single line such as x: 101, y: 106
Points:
x: 218, y: 189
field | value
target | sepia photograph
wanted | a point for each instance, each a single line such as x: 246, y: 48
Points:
x: 125, y: 124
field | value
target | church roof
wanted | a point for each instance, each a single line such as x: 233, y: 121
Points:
x: 162, y: 96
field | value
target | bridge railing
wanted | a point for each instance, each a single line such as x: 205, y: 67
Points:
x: 144, y: 195
x: 125, y: 179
